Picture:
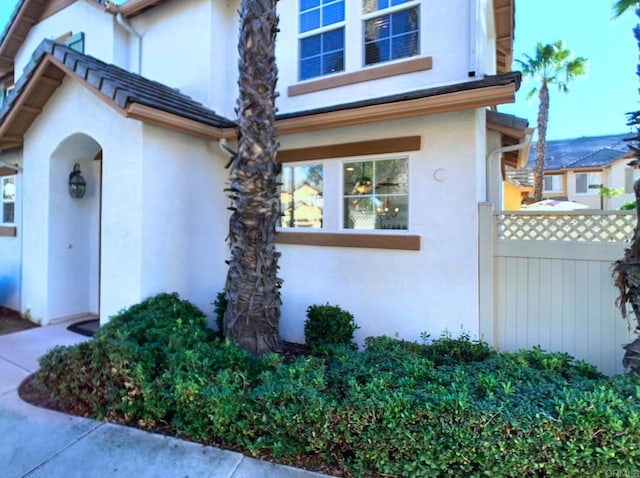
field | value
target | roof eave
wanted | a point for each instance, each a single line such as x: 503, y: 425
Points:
x: 442, y: 103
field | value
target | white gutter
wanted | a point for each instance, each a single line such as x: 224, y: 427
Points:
x: 496, y: 199
x: 15, y: 167
x: 473, y: 38
x: 123, y: 23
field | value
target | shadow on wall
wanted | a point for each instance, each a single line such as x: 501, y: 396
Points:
x: 7, y: 286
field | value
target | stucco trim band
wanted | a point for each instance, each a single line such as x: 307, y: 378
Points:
x: 372, y: 241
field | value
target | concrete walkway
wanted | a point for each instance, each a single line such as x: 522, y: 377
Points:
x: 43, y: 443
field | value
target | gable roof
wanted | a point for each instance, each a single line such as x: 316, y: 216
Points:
x: 580, y: 153
x: 131, y: 95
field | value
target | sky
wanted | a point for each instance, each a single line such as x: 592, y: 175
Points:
x: 596, y: 104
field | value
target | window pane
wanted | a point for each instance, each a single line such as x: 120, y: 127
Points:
x: 301, y: 196
x: 307, y: 4
x: 392, y: 177
x: 377, y: 51
x: 402, y: 28
x: 310, y: 46
x: 404, y: 46
x: 9, y: 189
x: 333, y: 13
x: 310, y: 68
x: 309, y: 20
x: 333, y: 40
x: 393, y: 212
x: 322, y: 54
x: 581, y: 183
x: 332, y: 63
x: 8, y: 213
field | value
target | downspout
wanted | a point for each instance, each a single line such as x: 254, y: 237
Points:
x: 473, y: 38
x: 123, y: 23
x: 526, y: 142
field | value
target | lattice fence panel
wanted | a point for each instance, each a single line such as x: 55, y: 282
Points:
x: 611, y: 226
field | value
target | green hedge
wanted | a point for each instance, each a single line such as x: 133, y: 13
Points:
x: 451, y: 408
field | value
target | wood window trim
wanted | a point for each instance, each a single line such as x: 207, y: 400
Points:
x: 367, y: 74
x: 401, y: 242
x: 346, y: 150
x: 8, y: 231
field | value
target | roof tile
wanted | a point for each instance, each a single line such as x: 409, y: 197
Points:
x: 118, y: 85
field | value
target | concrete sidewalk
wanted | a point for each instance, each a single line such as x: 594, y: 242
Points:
x: 43, y: 443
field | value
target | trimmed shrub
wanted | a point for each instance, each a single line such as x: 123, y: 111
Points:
x: 450, y: 408
x: 328, y: 325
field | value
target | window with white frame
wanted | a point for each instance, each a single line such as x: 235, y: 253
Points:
x: 588, y: 183
x: 8, y: 189
x: 552, y: 184
x: 388, y: 30
x: 391, y: 30
x: 376, y: 194
x: 322, y: 44
x: 301, y: 196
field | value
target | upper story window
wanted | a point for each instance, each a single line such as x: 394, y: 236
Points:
x: 391, y: 30
x: 376, y: 194
x: 301, y: 196
x: 8, y: 199
x: 322, y: 42
x: 552, y: 184
x: 588, y: 183
x: 336, y: 35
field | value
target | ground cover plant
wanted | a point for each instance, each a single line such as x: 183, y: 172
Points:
x: 450, y: 407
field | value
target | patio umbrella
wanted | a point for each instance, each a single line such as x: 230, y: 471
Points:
x: 554, y: 205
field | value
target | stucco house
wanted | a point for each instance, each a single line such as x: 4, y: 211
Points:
x: 388, y: 133
x: 575, y: 167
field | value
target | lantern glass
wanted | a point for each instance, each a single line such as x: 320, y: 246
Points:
x: 77, y: 184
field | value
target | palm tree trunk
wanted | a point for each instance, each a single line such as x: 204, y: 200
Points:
x: 253, y: 288
x: 541, y: 147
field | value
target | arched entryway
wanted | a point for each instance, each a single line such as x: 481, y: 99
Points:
x: 74, y: 234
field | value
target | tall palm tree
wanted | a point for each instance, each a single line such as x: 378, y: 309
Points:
x: 253, y: 288
x: 552, y: 64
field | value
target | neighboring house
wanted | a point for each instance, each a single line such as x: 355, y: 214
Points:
x: 574, y: 168
x: 387, y: 128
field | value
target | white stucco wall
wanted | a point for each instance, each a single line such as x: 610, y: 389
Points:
x: 97, y: 26
x: 11, y: 247
x: 404, y: 292
x: 192, y: 46
x: 185, y: 217
x: 445, y: 30
x: 50, y: 224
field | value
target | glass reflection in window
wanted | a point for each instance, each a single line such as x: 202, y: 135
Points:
x: 301, y: 196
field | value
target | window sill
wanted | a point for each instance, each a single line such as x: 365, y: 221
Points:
x: 372, y: 241
x: 366, y: 74
x: 8, y: 231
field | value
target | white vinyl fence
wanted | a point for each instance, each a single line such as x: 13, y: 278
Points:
x: 545, y: 279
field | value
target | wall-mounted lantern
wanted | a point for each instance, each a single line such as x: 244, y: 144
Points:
x: 77, y: 184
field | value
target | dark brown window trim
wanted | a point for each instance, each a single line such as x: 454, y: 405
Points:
x: 372, y: 241
x: 346, y: 150
x: 367, y: 74
x: 8, y: 231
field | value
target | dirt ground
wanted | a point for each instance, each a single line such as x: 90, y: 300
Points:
x: 10, y: 321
